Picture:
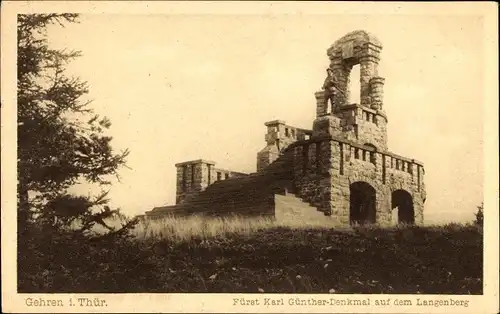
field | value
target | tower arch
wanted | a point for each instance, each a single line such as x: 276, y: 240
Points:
x: 363, y: 122
x: 363, y: 49
x: 403, y: 201
x: 362, y: 203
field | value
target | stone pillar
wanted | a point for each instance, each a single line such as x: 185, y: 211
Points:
x: 339, y: 199
x: 377, y: 92
x: 423, y: 197
x: 199, y: 183
x: 192, y: 177
x: 368, y: 61
x: 339, y: 185
x: 365, y: 70
x: 204, y: 179
x: 321, y: 104
x: 384, y: 210
x: 418, y: 208
x: 180, y: 184
x: 341, y: 73
x: 323, y: 161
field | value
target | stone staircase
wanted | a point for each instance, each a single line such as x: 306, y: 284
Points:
x: 252, y: 195
x: 290, y: 208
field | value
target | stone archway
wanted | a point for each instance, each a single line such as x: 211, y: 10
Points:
x: 363, y: 49
x: 403, y: 200
x: 362, y: 203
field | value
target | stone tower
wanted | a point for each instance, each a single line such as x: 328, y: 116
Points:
x: 346, y: 169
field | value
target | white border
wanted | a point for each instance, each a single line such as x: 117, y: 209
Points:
x: 488, y: 303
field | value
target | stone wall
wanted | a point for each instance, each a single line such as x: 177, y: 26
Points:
x: 384, y: 171
x: 217, y: 174
x: 354, y: 123
x: 312, y: 167
x: 325, y: 168
x: 195, y: 176
x: 363, y: 125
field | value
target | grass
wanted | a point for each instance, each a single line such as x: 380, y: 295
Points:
x: 251, y: 255
x: 240, y: 255
x: 182, y: 229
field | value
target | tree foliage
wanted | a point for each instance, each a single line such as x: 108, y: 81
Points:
x: 61, y: 140
x: 480, y: 215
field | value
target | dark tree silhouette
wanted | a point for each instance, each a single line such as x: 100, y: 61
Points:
x: 480, y: 215
x: 61, y: 141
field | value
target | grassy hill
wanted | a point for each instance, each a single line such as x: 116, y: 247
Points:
x: 195, y: 255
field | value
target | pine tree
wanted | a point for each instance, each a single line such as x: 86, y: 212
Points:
x: 61, y: 141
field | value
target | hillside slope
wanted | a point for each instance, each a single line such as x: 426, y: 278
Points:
x: 428, y: 260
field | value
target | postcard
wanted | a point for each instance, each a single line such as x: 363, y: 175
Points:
x: 243, y: 157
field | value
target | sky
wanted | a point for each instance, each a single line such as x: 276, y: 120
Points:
x: 183, y: 87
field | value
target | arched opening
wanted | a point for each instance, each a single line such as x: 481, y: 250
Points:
x: 362, y: 203
x: 354, y: 85
x: 404, y: 203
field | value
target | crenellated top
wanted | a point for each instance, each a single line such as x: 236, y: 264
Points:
x: 329, y: 156
x: 367, y: 148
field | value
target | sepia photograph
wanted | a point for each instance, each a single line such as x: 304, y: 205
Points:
x: 249, y: 161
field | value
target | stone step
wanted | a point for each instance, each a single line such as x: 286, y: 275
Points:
x: 288, y: 207
x: 299, y: 205
x: 297, y: 198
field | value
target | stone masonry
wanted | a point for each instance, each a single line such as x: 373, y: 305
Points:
x: 342, y: 167
x: 195, y: 176
x: 278, y: 137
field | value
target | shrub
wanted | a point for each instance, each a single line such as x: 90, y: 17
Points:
x: 479, y: 215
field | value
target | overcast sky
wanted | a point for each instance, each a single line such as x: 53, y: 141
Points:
x: 182, y: 87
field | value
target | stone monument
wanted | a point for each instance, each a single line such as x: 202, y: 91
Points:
x: 341, y: 168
